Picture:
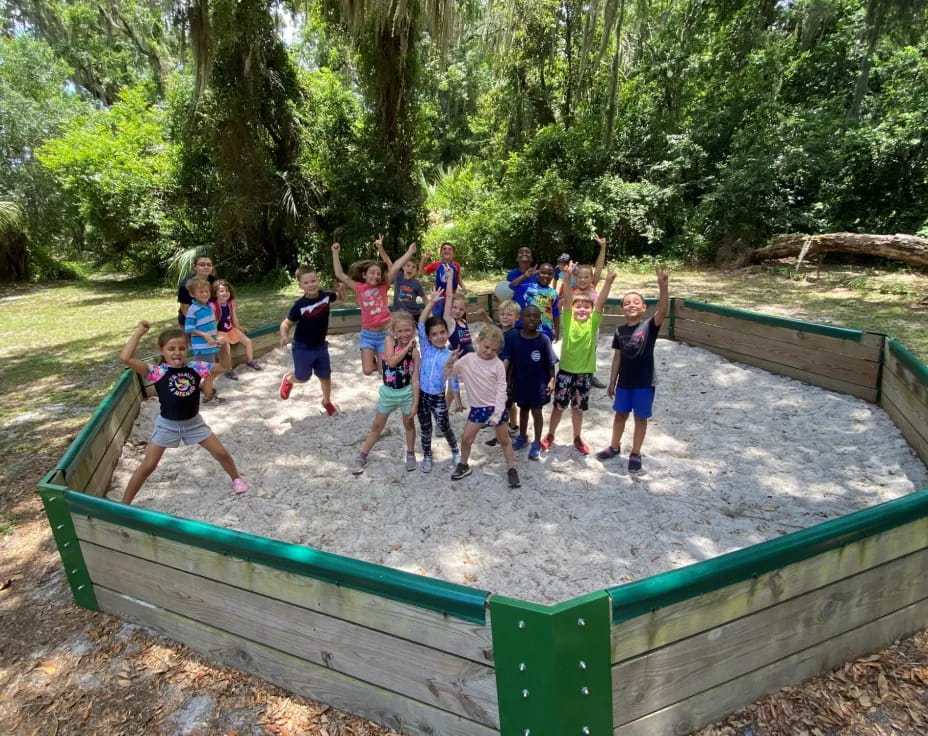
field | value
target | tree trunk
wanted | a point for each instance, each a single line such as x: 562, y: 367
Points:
x: 909, y: 249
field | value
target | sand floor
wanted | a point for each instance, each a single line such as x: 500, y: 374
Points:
x: 734, y: 456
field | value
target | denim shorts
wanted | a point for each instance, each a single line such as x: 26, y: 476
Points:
x: 307, y: 360
x: 392, y: 399
x: 171, y: 432
x: 210, y: 357
x: 639, y: 400
x: 376, y: 341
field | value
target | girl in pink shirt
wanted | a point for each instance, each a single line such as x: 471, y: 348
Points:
x: 370, y: 281
x: 484, y: 379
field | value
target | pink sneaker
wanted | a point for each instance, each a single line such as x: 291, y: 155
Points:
x: 239, y: 486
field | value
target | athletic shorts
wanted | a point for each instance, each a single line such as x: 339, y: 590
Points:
x: 572, y: 389
x: 530, y: 397
x: 307, y: 360
x: 639, y: 400
x: 481, y: 414
x: 171, y: 432
x: 392, y: 399
x: 376, y: 341
x: 210, y: 357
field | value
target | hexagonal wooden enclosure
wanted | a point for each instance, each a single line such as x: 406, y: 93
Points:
x: 662, y: 655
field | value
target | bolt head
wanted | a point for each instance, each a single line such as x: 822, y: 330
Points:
x: 581, y: 622
x: 525, y: 693
x: 522, y: 667
x: 521, y: 624
x: 582, y: 665
x: 584, y: 691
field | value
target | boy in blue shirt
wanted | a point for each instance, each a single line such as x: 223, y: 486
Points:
x: 200, y: 325
x: 539, y: 293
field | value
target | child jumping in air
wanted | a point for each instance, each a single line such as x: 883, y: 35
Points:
x: 580, y: 321
x: 200, y: 326
x: 227, y: 324
x: 400, y: 389
x: 310, y: 314
x: 530, y: 360
x: 632, y: 378
x: 484, y: 377
x: 448, y: 275
x: 370, y: 281
x: 407, y: 289
x: 433, y: 336
x: 177, y: 383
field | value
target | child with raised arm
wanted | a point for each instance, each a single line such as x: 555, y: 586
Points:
x: 530, y: 360
x: 484, y: 378
x: 632, y: 378
x: 407, y: 289
x: 200, y: 327
x: 310, y: 314
x: 433, y: 336
x: 177, y: 383
x: 448, y: 275
x: 228, y: 326
x: 539, y: 293
x: 370, y: 281
x: 400, y: 389
x: 580, y: 321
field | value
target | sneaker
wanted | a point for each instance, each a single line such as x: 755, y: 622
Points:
x: 634, y: 463
x: 582, y: 447
x: 547, y: 441
x: 411, y: 463
x: 461, y: 471
x: 359, y: 464
x: 215, y: 399
x: 285, y: 388
x: 596, y: 383
x: 513, y: 432
x: 329, y: 407
x: 519, y: 442
x: 513, y: 476
x: 254, y: 365
x: 456, y: 458
x: 534, y: 451
x: 231, y: 375
x: 492, y: 442
x: 239, y: 486
x: 426, y: 465
x: 607, y: 454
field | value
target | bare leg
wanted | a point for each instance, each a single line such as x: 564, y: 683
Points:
x: 225, y: 355
x: 215, y: 448
x: 641, y: 428
x: 368, y: 361
x: 618, y: 426
x: 146, y: 467
x: 326, y: 384
x: 208, y: 386
x: 538, y: 420
x: 576, y: 418
x: 523, y: 421
x: 380, y: 421
x: 502, y: 434
x: 467, y: 439
x: 409, y: 424
x: 249, y: 348
x: 555, y: 420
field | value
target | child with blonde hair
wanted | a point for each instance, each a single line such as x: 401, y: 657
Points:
x: 400, y: 389
x: 227, y: 323
x: 200, y: 328
x: 508, y: 311
x: 177, y: 384
x: 484, y: 379
x: 370, y: 281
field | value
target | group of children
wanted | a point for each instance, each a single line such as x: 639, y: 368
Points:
x: 423, y: 355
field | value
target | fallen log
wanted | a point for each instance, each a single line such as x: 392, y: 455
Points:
x: 909, y: 249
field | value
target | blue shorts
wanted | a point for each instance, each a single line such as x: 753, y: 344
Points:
x: 376, y: 341
x: 307, y: 360
x: 480, y: 414
x: 639, y: 400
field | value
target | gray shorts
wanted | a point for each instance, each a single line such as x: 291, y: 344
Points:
x: 171, y: 432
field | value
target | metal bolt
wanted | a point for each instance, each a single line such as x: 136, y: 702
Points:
x: 581, y: 622
x: 525, y: 693
x: 80, y: 587
x: 585, y: 731
x: 59, y: 527
x: 521, y: 624
x: 522, y: 667
x: 527, y: 732
x: 582, y: 665
x: 74, y: 572
x: 584, y: 691
x: 66, y: 545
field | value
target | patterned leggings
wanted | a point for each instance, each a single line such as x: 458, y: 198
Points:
x: 430, y: 404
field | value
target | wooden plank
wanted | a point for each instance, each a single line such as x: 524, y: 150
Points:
x: 613, y: 320
x: 424, y: 674
x: 832, y: 384
x: 99, y: 482
x: 907, y: 402
x: 452, y: 635
x: 916, y: 440
x: 688, y: 715
x: 907, y: 378
x: 869, y: 348
x: 659, y: 678
x: 710, y: 610
x: 294, y: 674
x: 810, y: 360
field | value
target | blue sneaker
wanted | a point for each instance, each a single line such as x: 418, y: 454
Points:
x: 519, y: 442
x: 534, y: 452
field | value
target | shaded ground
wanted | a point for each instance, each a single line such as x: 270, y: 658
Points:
x: 64, y: 670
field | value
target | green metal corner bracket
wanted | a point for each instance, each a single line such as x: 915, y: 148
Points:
x: 552, y: 666
x: 69, y: 548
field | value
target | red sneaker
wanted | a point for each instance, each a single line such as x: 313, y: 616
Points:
x: 547, y: 441
x: 329, y: 407
x: 582, y: 447
x: 285, y: 388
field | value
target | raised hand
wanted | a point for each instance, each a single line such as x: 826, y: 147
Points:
x: 144, y: 325
x: 336, y: 247
x: 378, y: 241
x: 663, y: 278
x: 599, y: 239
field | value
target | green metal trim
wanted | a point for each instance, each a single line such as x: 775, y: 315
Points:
x: 69, y: 548
x: 552, y: 666
x: 901, y: 353
x: 842, y: 333
x: 643, y: 596
x: 436, y: 595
